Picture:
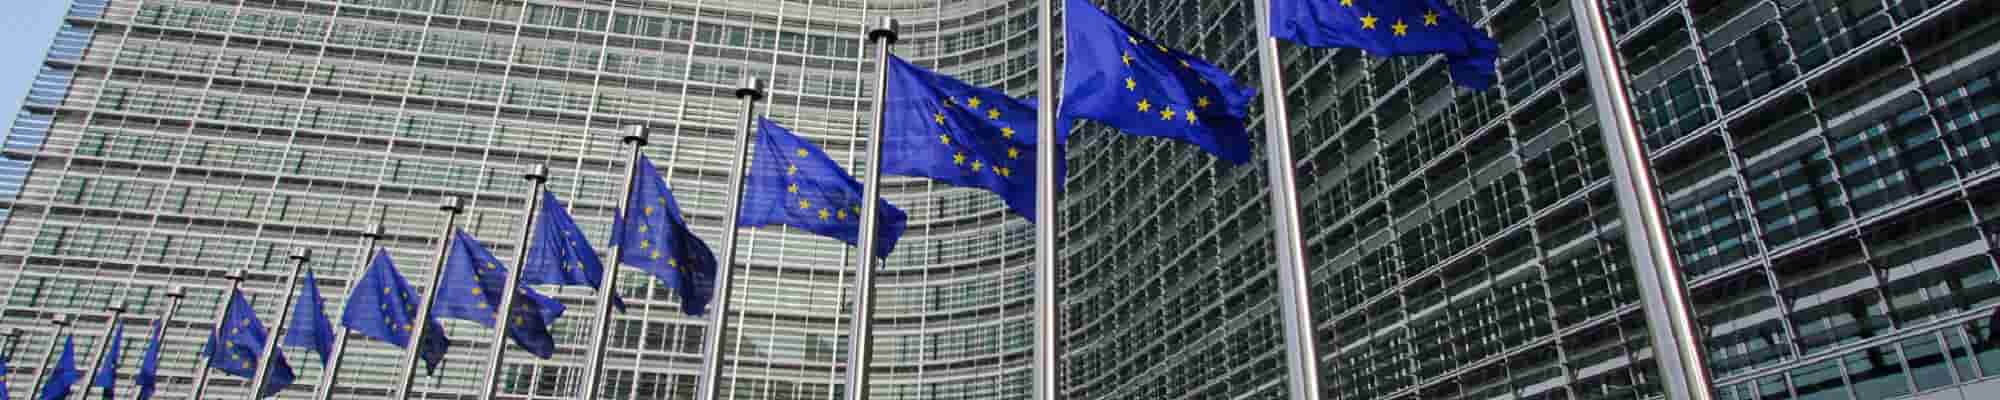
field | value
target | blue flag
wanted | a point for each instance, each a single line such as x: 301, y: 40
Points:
x: 1390, y: 28
x: 3, y: 378
x: 107, y: 369
x: 237, y: 344
x: 792, y: 182
x: 560, y: 254
x: 148, y: 377
x: 384, y: 307
x: 470, y: 290
x: 63, y: 374
x: 654, y: 237
x: 937, y: 127
x: 1128, y: 81
x: 309, y: 325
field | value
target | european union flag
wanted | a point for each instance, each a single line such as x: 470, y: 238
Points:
x: 148, y: 377
x: 938, y: 127
x: 792, y: 182
x: 63, y: 374
x: 1389, y: 28
x: 560, y: 254
x: 107, y: 369
x: 473, y: 279
x: 654, y: 237
x: 384, y: 307
x: 309, y: 325
x: 3, y: 379
x: 1131, y: 82
x: 237, y: 344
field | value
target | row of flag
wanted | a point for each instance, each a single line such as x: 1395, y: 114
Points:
x: 934, y: 126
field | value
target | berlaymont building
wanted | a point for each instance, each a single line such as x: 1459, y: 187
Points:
x: 1827, y: 166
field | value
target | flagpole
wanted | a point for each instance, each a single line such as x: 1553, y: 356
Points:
x: 300, y: 256
x: 1047, y: 312
x: 1294, y: 296
x: 14, y: 335
x: 538, y: 178
x: 117, y: 309
x: 636, y: 136
x: 861, y: 327
x: 452, y: 206
x: 61, y: 321
x: 751, y: 91
x: 1669, y: 319
x: 175, y: 294
x: 235, y: 278
x: 369, y: 238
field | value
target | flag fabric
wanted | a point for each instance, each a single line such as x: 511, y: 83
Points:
x: 793, y: 182
x: 560, y: 254
x: 944, y: 129
x: 107, y: 369
x: 3, y: 378
x: 63, y: 374
x: 1126, y: 80
x: 653, y: 236
x: 309, y: 325
x: 237, y: 344
x: 384, y: 307
x: 1390, y: 28
x: 470, y: 290
x: 149, y: 365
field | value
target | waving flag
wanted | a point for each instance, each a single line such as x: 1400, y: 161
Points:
x: 654, y: 237
x: 792, y: 182
x: 384, y: 307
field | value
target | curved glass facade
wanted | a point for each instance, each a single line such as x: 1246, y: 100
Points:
x: 169, y: 141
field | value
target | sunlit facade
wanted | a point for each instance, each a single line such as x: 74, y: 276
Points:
x: 170, y: 141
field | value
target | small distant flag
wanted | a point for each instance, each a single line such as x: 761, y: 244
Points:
x: 107, y: 369
x: 237, y: 344
x: 654, y: 237
x: 470, y: 290
x: 384, y: 307
x: 63, y: 374
x: 309, y: 325
x: 149, y: 365
x: 560, y: 254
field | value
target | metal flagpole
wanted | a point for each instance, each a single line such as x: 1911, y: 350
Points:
x: 300, y: 256
x: 451, y: 206
x: 593, y: 370
x: 538, y: 178
x: 1294, y: 299
x: 221, y: 311
x: 369, y: 238
x: 861, y: 327
x: 175, y: 294
x: 117, y: 309
x: 14, y: 335
x: 1046, y: 151
x: 751, y: 91
x: 61, y: 321
x: 1669, y: 319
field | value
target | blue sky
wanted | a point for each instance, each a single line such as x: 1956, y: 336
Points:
x: 25, y: 30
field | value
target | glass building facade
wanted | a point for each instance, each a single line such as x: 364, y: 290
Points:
x: 171, y: 141
x: 1828, y: 168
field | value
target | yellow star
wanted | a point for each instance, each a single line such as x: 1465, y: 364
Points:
x: 974, y: 103
x: 1145, y: 106
x: 481, y: 306
x: 1184, y: 64
x: 1190, y: 118
x: 520, y: 320
x: 649, y: 210
x: 645, y: 244
x: 1013, y: 153
x: 671, y: 262
x: 1368, y: 21
x: 939, y: 117
x: 1162, y: 48
x: 1127, y: 57
x: 842, y: 215
x: 792, y: 170
x: 802, y: 152
x: 803, y: 204
x: 824, y: 214
x: 1349, y: 3
x: 976, y: 165
x: 1003, y: 171
x: 1007, y: 132
x: 993, y: 113
x: 944, y: 139
x: 1401, y: 28
x: 794, y: 188
x: 643, y: 229
x: 1201, y: 102
x: 1131, y: 84
x: 493, y: 265
x: 1168, y: 114
x: 656, y: 254
x: 1131, y: 39
x: 958, y: 159
x: 1431, y: 18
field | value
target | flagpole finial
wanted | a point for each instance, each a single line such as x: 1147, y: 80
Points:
x: 116, y: 306
x: 177, y: 291
x: 59, y: 319
x: 537, y: 173
x: 16, y: 332
x: 751, y: 87
x: 454, y: 204
x: 885, y: 29
x: 636, y: 134
x: 236, y: 275
x: 373, y: 231
x: 302, y: 254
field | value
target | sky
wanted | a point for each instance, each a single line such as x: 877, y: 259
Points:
x: 26, y: 26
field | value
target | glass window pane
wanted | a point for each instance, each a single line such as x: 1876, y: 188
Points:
x: 1819, y: 381
x: 1877, y: 373
x: 1927, y: 362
